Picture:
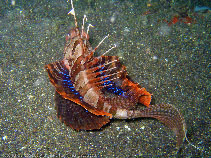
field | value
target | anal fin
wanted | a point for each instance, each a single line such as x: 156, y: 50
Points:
x: 76, y: 116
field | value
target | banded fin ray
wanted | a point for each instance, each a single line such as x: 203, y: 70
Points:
x: 111, y: 75
x: 59, y: 77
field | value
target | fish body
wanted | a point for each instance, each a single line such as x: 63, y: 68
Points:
x: 91, y: 90
x: 101, y: 82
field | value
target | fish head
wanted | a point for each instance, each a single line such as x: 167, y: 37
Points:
x: 77, y: 45
x: 75, y: 32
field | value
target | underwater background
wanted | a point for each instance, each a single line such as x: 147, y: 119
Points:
x: 165, y: 46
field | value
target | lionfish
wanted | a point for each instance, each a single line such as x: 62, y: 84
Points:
x: 91, y: 90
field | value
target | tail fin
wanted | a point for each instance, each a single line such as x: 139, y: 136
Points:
x: 170, y: 116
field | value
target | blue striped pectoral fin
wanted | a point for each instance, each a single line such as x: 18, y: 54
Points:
x: 61, y: 80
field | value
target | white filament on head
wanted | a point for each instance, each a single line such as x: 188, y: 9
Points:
x: 72, y: 11
x: 90, y: 25
x: 84, y: 20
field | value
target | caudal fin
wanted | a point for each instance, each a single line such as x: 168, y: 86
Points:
x: 170, y: 116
